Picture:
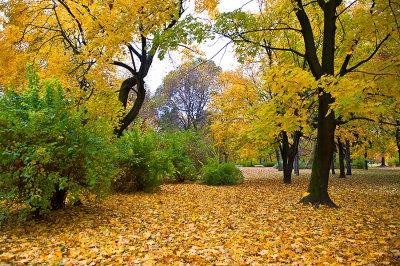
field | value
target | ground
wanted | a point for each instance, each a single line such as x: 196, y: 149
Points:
x: 253, y: 223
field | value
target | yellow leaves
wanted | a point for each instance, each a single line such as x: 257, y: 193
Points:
x: 253, y: 223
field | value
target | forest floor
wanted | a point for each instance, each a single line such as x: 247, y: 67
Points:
x: 256, y: 222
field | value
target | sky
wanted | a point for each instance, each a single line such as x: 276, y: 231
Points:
x: 225, y: 59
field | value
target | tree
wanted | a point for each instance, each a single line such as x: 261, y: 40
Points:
x: 253, y: 111
x: 186, y: 92
x: 82, y: 41
x: 309, y: 31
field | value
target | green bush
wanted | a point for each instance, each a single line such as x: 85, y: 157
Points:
x: 177, y: 153
x: 394, y: 162
x: 141, y: 164
x: 269, y: 164
x: 46, y: 152
x: 359, y: 164
x: 216, y: 174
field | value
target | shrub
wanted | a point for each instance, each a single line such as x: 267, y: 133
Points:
x: 216, y: 174
x: 394, y: 162
x: 141, y: 164
x: 176, y: 150
x: 359, y: 164
x: 269, y: 164
x: 46, y: 152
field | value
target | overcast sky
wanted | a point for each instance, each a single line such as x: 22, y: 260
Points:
x: 224, y: 59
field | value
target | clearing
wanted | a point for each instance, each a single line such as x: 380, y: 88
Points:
x: 256, y: 222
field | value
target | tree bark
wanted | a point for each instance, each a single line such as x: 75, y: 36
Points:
x: 348, y: 158
x: 123, y: 97
x: 318, y: 187
x: 288, y: 153
x: 310, y: 160
x: 342, y: 173
x: 278, y: 158
x: 296, y: 164
x: 398, y: 137
x: 383, y: 163
x: 366, y: 159
x: 333, y: 164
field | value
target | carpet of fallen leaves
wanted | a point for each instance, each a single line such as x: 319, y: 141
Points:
x: 257, y: 222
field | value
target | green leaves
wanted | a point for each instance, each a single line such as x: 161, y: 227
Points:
x: 45, y: 147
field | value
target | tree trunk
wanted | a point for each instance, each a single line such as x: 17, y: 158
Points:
x: 287, y: 167
x: 310, y: 160
x: 296, y: 165
x: 348, y: 159
x: 383, y: 163
x: 288, y: 153
x: 333, y: 164
x: 58, y: 199
x: 398, y: 137
x: 341, y: 159
x: 318, y: 187
x: 278, y: 158
x: 123, y: 96
x: 365, y: 159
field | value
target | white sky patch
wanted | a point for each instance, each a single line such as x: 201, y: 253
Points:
x: 223, y: 57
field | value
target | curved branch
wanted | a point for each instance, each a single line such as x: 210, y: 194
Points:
x: 130, y: 69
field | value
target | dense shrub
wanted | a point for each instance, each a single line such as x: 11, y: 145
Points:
x: 269, y: 164
x: 140, y: 162
x: 176, y: 150
x: 46, y: 152
x: 358, y: 163
x: 216, y: 174
x: 394, y: 162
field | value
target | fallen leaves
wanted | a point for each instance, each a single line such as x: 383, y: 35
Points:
x: 253, y: 223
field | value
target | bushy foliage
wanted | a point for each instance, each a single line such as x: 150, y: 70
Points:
x: 141, y: 163
x: 358, y: 163
x: 46, y: 152
x: 177, y: 151
x: 216, y: 174
x: 394, y: 162
x: 269, y: 164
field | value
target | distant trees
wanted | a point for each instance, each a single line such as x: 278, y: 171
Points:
x: 184, y: 96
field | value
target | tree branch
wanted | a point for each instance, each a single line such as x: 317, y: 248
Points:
x: 345, y: 71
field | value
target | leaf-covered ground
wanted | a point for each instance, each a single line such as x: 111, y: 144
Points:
x: 257, y: 222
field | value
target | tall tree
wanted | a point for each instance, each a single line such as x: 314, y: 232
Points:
x: 316, y: 26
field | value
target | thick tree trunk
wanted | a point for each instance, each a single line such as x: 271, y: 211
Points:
x: 383, y: 163
x: 342, y: 173
x: 333, y: 164
x: 318, y: 187
x: 123, y: 97
x: 348, y: 158
x: 278, y: 158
